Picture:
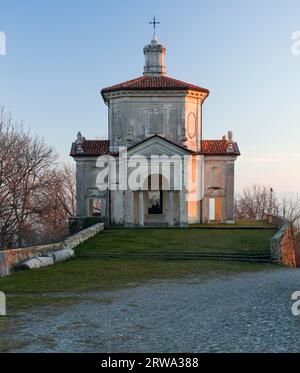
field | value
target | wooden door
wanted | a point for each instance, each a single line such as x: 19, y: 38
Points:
x: 218, y: 210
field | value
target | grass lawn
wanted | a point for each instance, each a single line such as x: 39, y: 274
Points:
x: 61, y: 284
x: 253, y: 223
x: 179, y: 240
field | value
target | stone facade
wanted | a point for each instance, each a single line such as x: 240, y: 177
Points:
x: 155, y: 115
x: 134, y: 116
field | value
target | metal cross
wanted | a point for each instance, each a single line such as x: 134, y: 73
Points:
x: 154, y: 23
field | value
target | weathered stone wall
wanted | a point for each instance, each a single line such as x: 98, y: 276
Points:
x: 143, y: 116
x: 11, y: 257
x: 134, y: 116
x: 78, y: 224
x: 283, y: 250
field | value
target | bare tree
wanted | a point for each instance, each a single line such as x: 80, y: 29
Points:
x: 290, y: 209
x: 255, y: 202
x: 36, y: 194
x: 53, y: 205
x: 68, y: 176
x: 24, y: 160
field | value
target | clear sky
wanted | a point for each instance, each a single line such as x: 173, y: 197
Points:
x: 60, y: 53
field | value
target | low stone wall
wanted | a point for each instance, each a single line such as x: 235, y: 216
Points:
x: 10, y: 258
x: 283, y: 250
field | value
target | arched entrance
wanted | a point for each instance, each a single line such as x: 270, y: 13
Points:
x: 160, y: 203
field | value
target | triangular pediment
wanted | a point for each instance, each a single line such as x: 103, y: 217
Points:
x: 157, y: 145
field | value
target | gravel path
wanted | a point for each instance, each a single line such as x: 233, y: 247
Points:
x: 246, y: 313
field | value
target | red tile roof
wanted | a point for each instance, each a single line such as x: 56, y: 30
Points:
x: 92, y: 148
x: 217, y: 147
x: 154, y: 83
x: 100, y: 147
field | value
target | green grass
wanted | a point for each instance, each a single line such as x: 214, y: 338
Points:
x: 56, y: 285
x: 178, y: 240
x: 253, y: 223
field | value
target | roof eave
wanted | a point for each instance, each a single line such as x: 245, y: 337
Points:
x: 164, y: 89
x: 220, y: 154
x: 106, y: 101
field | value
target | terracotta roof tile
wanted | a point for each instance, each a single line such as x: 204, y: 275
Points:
x: 100, y: 147
x: 154, y: 83
x: 217, y: 147
x: 92, y: 148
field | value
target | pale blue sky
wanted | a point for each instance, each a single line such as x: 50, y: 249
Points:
x: 60, y: 53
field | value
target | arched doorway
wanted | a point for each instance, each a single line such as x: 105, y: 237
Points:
x: 154, y: 200
x: 155, y: 205
x: 157, y: 201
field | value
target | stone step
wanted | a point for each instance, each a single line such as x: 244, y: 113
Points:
x: 207, y: 226
x: 185, y: 256
x: 176, y: 253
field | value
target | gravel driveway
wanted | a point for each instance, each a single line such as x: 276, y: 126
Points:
x: 245, y: 313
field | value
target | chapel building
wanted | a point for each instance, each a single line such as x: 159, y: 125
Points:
x: 155, y: 118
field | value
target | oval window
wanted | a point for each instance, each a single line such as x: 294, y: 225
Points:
x: 191, y: 125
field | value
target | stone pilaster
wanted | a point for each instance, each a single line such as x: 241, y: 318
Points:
x: 171, y: 208
x: 129, y: 208
x: 229, y: 191
x: 183, y: 219
x: 141, y: 207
